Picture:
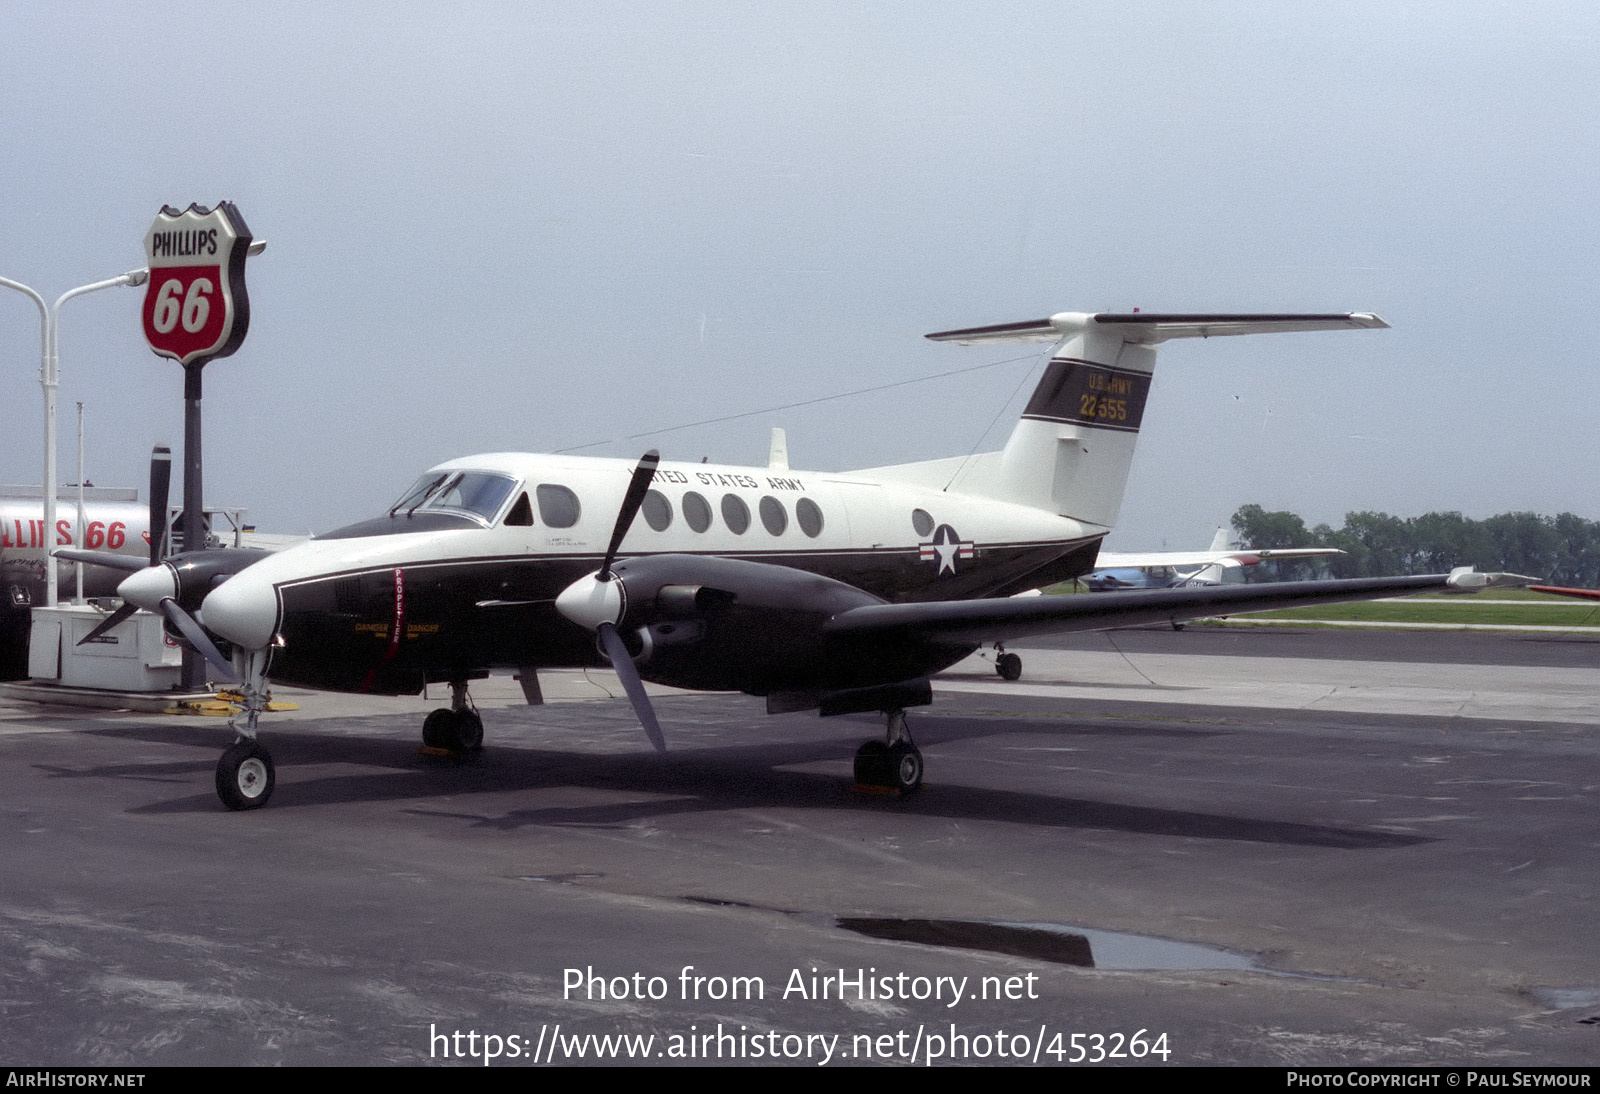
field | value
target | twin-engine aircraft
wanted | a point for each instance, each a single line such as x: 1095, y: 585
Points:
x: 827, y: 591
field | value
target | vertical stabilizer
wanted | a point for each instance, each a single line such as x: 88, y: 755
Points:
x: 1072, y: 449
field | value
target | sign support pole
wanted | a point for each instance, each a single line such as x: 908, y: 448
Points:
x: 194, y: 528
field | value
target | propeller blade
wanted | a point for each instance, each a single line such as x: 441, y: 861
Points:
x: 628, y: 673
x: 637, y: 486
x: 160, y: 481
x: 198, y: 638
x: 108, y: 622
x: 129, y: 563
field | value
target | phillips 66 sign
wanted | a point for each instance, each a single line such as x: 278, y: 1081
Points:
x: 195, y: 307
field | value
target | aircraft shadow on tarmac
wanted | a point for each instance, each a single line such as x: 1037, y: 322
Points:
x: 690, y: 779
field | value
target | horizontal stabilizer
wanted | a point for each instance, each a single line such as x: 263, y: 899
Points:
x: 1152, y: 327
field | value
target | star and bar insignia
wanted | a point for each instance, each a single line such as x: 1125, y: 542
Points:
x: 946, y: 548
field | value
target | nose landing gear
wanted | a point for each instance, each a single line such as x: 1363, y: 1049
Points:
x: 245, y: 776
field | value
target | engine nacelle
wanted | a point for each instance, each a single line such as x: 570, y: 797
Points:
x: 198, y: 572
x: 719, y: 624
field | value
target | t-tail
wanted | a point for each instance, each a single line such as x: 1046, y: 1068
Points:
x: 1071, y: 451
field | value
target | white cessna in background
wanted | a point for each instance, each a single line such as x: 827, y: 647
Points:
x: 831, y: 591
x: 1168, y: 569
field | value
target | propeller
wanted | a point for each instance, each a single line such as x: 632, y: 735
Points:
x: 638, y: 486
x: 158, y: 589
x: 160, y: 482
x: 197, y: 637
x: 598, y: 601
x: 628, y: 673
x: 159, y: 586
x: 124, y: 610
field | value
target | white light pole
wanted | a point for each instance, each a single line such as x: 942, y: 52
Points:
x: 49, y: 380
x: 79, y: 539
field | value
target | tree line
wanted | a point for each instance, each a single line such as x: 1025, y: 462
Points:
x: 1563, y: 550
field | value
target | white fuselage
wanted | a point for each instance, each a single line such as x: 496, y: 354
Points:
x: 463, y: 574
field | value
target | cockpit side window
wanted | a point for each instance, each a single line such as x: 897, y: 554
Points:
x: 521, y: 515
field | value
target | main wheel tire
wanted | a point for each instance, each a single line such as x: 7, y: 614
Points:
x: 245, y: 776
x: 438, y: 728
x: 872, y: 764
x: 905, y: 767
x: 1009, y: 666
x: 468, y: 730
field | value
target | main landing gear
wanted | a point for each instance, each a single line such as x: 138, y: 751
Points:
x: 894, y: 763
x: 244, y: 773
x: 1008, y: 665
x: 456, y: 728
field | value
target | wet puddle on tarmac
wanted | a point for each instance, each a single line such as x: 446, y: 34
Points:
x: 1063, y: 945
x: 1054, y: 942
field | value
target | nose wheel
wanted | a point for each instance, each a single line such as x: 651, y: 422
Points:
x: 245, y: 775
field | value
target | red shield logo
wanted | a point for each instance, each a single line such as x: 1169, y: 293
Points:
x: 195, y: 307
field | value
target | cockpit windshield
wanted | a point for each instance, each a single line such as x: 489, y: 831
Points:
x: 480, y: 493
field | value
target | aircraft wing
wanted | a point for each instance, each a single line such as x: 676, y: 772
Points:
x: 1150, y: 560
x: 991, y: 620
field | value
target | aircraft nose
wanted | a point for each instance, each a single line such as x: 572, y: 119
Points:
x: 243, y: 611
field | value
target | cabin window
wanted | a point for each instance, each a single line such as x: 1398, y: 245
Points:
x: 809, y: 514
x: 773, y: 515
x: 657, y: 510
x: 558, y: 506
x: 922, y: 521
x: 521, y: 515
x: 735, y: 514
x: 697, y: 511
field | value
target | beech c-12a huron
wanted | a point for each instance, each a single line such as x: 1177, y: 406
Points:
x: 831, y: 591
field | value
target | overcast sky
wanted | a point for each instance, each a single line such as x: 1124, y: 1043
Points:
x: 537, y: 226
